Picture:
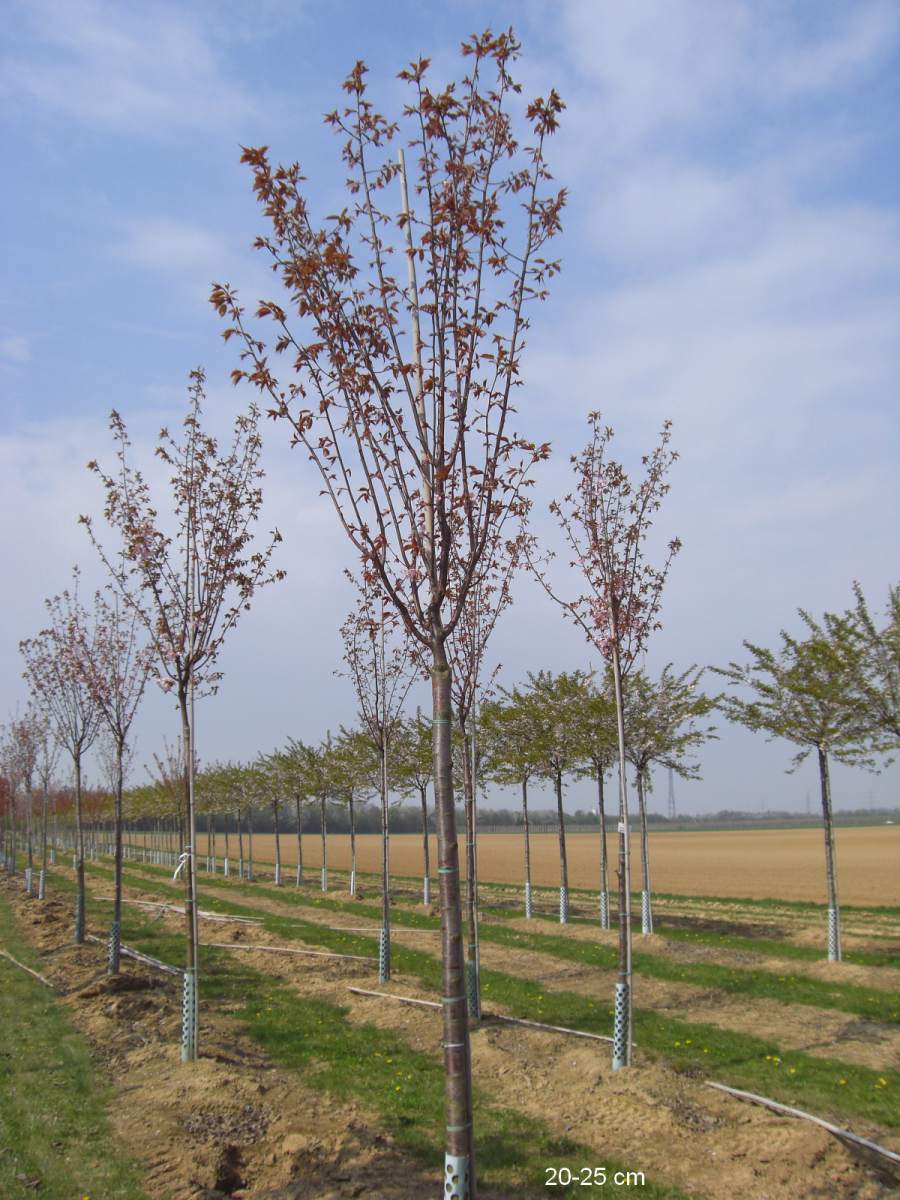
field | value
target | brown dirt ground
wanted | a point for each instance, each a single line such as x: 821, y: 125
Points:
x: 766, y: 863
x: 649, y: 1118
x: 252, y: 1130
x: 820, y: 1031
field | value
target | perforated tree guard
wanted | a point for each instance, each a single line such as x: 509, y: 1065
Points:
x: 189, y: 1017
x: 456, y: 1177
x: 353, y: 882
x: 529, y: 911
x: 620, y: 1027
x: 114, y: 944
x: 324, y: 879
x: 646, y: 913
x: 52, y: 856
x: 473, y: 990
x: 384, y: 956
x: 42, y: 884
x: 834, y: 936
x: 426, y: 890
x: 28, y: 881
x: 563, y: 905
x: 604, y: 910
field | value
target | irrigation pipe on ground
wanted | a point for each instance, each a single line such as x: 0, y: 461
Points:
x: 201, y: 913
x: 287, y: 950
x: 139, y: 957
x: 594, y: 1037
x: 851, y: 1140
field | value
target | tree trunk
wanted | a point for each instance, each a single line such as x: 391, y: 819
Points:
x: 604, y: 852
x: 646, y: 906
x: 299, y: 841
x: 528, y: 909
x: 29, y: 840
x: 116, y: 930
x: 473, y: 974
x: 426, y: 856
x: 190, y: 1010
x: 277, y: 845
x: 352, y: 810
x: 250, y: 842
x: 45, y: 809
x: 384, y: 945
x: 324, y: 832
x: 459, y: 1157
x: 563, y: 860
x: 623, y: 998
x: 80, y: 914
x: 834, y: 912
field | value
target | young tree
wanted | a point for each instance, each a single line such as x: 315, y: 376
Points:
x: 291, y: 767
x: 313, y: 779
x: 512, y: 758
x: 872, y: 662
x: 803, y: 693
x: 660, y: 727
x: 555, y: 708
x: 414, y: 764
x: 23, y: 742
x: 382, y: 671
x: 47, y: 758
x: 601, y: 753
x: 490, y: 593
x: 189, y: 588
x: 118, y: 665
x: 57, y: 668
x: 414, y: 443
x: 605, y: 521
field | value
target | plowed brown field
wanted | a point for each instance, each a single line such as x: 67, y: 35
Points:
x: 759, y: 864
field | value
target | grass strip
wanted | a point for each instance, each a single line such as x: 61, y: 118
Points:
x: 55, y: 1140
x: 770, y: 947
x: 404, y: 1086
x: 758, y: 983
x: 743, y: 1060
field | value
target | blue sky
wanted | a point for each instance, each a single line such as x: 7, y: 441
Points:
x: 731, y: 252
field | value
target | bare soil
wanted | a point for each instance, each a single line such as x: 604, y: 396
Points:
x: 650, y: 1118
x: 824, y: 1032
x: 236, y: 1125
x: 760, y: 864
x: 228, y: 1125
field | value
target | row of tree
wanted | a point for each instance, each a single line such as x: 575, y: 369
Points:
x: 399, y: 328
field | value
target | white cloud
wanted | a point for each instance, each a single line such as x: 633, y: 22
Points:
x: 147, y: 68
x: 167, y: 245
x: 15, y: 348
x: 692, y: 66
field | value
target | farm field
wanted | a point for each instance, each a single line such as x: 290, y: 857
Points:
x: 759, y: 864
x: 305, y: 1089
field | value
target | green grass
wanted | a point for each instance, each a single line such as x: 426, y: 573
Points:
x: 404, y: 1086
x: 769, y: 947
x: 827, y: 1085
x: 874, y: 1005
x: 53, y: 1106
